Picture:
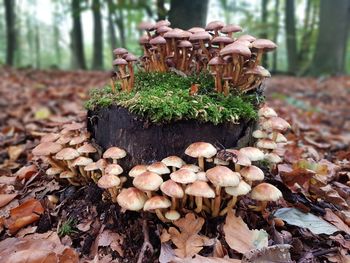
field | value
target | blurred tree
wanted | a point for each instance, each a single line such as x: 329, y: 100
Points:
x: 186, y: 14
x: 334, y: 26
x: 275, y: 33
x: 77, y: 40
x: 10, y: 18
x: 291, y: 37
x: 264, y: 31
x: 37, y: 45
x: 97, y: 62
x: 161, y: 11
x: 111, y: 29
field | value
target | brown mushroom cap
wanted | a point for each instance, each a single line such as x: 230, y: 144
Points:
x: 214, y: 25
x: 86, y: 148
x: 159, y: 40
x: 163, y: 29
x: 247, y: 37
x: 216, y: 61
x: 267, y: 112
x: 75, y: 126
x: 241, y: 189
x: 258, y: 70
x: 137, y: 170
x: 172, y: 215
x: 174, y: 33
x: 78, y: 140
x: 114, y: 153
x: 259, y: 134
x: 201, y: 149
x: 200, y: 189
x: 275, y: 123
x: 119, y: 62
x: 231, y: 29
x: 91, y: 167
x: 156, y: 202
x: 239, y: 158
x: 67, y: 154
x: 185, y: 44
x: 252, y: 173
x: 49, y: 137
x: 236, y: 48
x: 108, y: 181
x: 162, y: 23
x: 266, y: 144
x: 223, y: 176
x: 279, y: 139
x: 146, y: 25
x: 131, y: 199
x: 173, y: 161
x: 130, y: 57
x: 148, y: 181
x: 273, y: 158
x: 67, y: 175
x: 82, y: 161
x: 200, y: 36
x: 54, y: 171
x: 201, y: 176
x: 120, y: 51
x: 266, y: 192
x: 254, y: 154
x: 192, y: 167
x: 172, y: 189
x: 47, y: 148
x: 265, y: 44
x: 101, y: 164
x: 183, y: 176
x: 159, y: 168
x: 221, y: 39
x: 144, y: 39
x: 196, y: 29
x: 114, y: 169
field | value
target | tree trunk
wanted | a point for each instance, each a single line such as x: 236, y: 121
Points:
x: 161, y: 11
x: 186, y: 14
x: 275, y: 33
x: 291, y: 37
x: 111, y: 29
x: 37, y: 46
x: 77, y: 37
x: 121, y: 28
x: 264, y: 4
x: 329, y: 57
x: 10, y: 31
x: 97, y: 62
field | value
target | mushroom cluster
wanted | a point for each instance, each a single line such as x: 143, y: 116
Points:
x: 233, y: 61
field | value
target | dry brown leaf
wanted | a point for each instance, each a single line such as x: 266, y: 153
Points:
x: 111, y: 239
x: 15, y: 151
x: 186, y: 238
x: 219, y: 251
x: 6, y: 198
x: 45, y: 248
x: 26, y: 172
x: 335, y: 220
x: 327, y: 193
x: 201, y: 259
x: 239, y: 237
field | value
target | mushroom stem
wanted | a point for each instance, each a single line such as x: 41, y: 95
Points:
x: 132, y: 77
x: 112, y: 85
x: 217, y: 201
x: 237, y: 167
x: 201, y: 162
x: 205, y: 50
x: 199, y: 204
x: 160, y: 216
x: 274, y: 135
x: 229, y: 206
x: 258, y: 57
x: 173, y: 203
x: 149, y: 194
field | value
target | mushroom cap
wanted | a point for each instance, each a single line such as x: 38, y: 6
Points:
x: 221, y: 39
x: 67, y: 154
x: 254, y: 154
x: 156, y: 202
x: 91, y: 167
x: 252, y: 173
x: 144, y: 39
x: 119, y: 62
x: 174, y: 33
x: 279, y: 139
x: 219, y: 161
x: 185, y: 44
x: 137, y: 170
x: 82, y: 161
x: 236, y: 48
x: 64, y: 139
x: 131, y: 199
x: 120, y: 51
x: 201, y: 176
x: 247, y: 37
x: 275, y: 124
x: 74, y: 126
x: 267, y: 112
x: 159, y: 168
x: 239, y: 158
x: 147, y: 181
x: 266, y: 144
x: 196, y: 29
x: 130, y: 57
x: 54, y: 171
x: 266, y: 192
x: 162, y: 23
x: 265, y: 44
x: 200, y: 36
x: 163, y: 29
x: 241, y: 189
x: 67, y: 175
x: 244, y: 42
x: 259, y: 70
x: 192, y: 167
x: 49, y: 137
x: 173, y: 161
x: 231, y: 28
x: 216, y: 61
x: 214, y: 25
x: 114, y: 169
x: 259, y: 134
x: 114, y: 153
x: 172, y: 215
x: 273, y: 158
x: 159, y: 40
x: 200, y: 189
x: 201, y: 149
x: 47, y: 148
x: 172, y: 189
x: 223, y: 176
x: 87, y: 148
x: 108, y: 181
x: 183, y: 176
x: 78, y: 140
x: 146, y: 25
x: 101, y: 164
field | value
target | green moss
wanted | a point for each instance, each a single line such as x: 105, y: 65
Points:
x: 165, y: 97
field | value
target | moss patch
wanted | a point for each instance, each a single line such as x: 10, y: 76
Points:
x: 165, y: 97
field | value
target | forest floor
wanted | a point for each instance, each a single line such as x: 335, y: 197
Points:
x: 44, y: 220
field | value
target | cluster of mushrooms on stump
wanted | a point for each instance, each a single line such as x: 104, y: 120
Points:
x: 233, y: 62
x: 170, y: 187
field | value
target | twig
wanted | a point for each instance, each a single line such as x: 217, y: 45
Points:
x: 146, y: 244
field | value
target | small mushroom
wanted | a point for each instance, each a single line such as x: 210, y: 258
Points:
x: 215, y: 26
x: 110, y: 182
x: 254, y: 154
x: 201, y: 150
x: 173, y: 190
x: 47, y: 149
x: 173, y: 162
x: 137, y: 170
x: 252, y: 173
x: 267, y: 112
x: 241, y: 189
x: 157, y: 203
x: 148, y: 182
x: 266, y: 144
x: 158, y: 168
x: 68, y: 155
x: 230, y: 29
x: 265, y: 193
x: 131, y: 199
x: 200, y: 190
x: 172, y: 215
x: 81, y: 162
x: 114, y: 153
x: 262, y: 45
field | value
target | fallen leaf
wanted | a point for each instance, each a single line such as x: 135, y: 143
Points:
x: 6, y: 198
x: 15, y: 151
x: 335, y: 220
x: 299, y: 176
x: 201, y: 259
x: 186, y: 237
x: 305, y: 220
x: 272, y: 254
x: 327, y: 193
x: 26, y: 172
x: 42, y: 113
x: 240, y: 238
x: 111, y: 239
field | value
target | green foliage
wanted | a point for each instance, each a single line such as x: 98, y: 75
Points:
x: 165, y: 97
x: 67, y: 228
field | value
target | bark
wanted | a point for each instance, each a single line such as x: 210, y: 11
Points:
x: 97, y: 62
x: 291, y: 37
x: 10, y: 18
x: 186, y: 14
x: 77, y: 37
x: 275, y: 34
x: 264, y: 4
x: 329, y: 57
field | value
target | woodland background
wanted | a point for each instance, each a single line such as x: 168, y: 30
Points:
x: 312, y: 35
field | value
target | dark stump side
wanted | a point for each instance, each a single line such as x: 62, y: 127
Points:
x: 146, y: 142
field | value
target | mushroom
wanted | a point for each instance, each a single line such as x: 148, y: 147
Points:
x: 221, y: 41
x: 113, y: 169
x: 184, y: 45
x: 254, y: 77
x: 47, y: 149
x: 49, y: 137
x: 70, y: 176
x: 247, y: 38
x: 279, y: 137
x: 254, y: 154
x: 173, y: 190
x: 159, y: 42
x: 183, y: 176
x: 82, y: 161
x: 215, y: 26
x: 52, y: 171
x: 90, y: 169
x: 265, y: 193
x: 230, y: 29
x: 86, y: 148
x: 275, y: 124
x: 259, y: 134
x: 266, y: 144
x: 201, y: 37
x: 68, y: 155
x: 121, y: 64
x: 137, y: 170
x: 173, y: 162
x: 241, y: 189
x: 200, y: 190
x: 239, y: 159
x: 157, y: 203
x: 148, y: 182
x: 252, y: 173
x: 114, y: 153
x: 221, y: 176
x: 130, y: 58
x: 171, y: 37
x: 148, y: 27
x: 172, y: 215
x: 110, y: 182
x: 163, y: 29
x: 159, y: 168
x: 196, y: 29
x: 201, y: 150
x: 262, y: 45
x: 131, y: 199
x: 192, y: 167
x: 119, y: 52
x: 217, y: 64
x: 162, y: 23
x: 267, y: 112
